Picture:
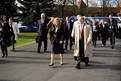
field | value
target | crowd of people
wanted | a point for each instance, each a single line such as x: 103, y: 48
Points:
x: 8, y: 34
x: 82, y: 33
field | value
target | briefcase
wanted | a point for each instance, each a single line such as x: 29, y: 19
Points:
x: 37, y: 39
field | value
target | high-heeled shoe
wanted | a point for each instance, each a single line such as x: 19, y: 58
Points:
x: 51, y: 64
x: 61, y: 63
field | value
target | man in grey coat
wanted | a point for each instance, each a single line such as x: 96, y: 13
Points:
x: 42, y: 32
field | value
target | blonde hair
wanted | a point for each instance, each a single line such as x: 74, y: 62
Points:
x: 93, y: 21
x: 57, y: 18
x: 102, y: 21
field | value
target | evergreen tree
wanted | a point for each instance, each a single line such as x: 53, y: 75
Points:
x: 8, y: 8
x: 31, y: 9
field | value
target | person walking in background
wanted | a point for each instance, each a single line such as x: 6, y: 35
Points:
x: 71, y: 27
x: 83, y: 37
x: 112, y: 28
x: 4, y: 35
x: 103, y: 32
x: 94, y: 35
x: 42, y: 32
x: 98, y: 29
x: 14, y: 32
x: 57, y: 40
x: 67, y: 35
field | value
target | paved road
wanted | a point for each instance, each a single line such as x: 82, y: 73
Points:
x: 25, y: 64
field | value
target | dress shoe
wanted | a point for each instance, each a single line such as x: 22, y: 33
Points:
x: 38, y: 51
x: 86, y: 61
x: 112, y: 46
x: 3, y: 56
x: 45, y: 51
x: 102, y: 45
x: 78, y: 66
x: 52, y: 64
x: 61, y: 63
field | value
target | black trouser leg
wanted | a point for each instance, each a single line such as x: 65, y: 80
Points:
x: 6, y: 52
x: 112, y: 38
x: 81, y: 53
x: 39, y: 45
x: 98, y: 36
x: 94, y: 39
x: 78, y: 62
x: 13, y: 47
x: 70, y: 42
x: 4, y: 49
x: 12, y: 41
x: 66, y: 44
x: 104, y: 40
x: 45, y: 44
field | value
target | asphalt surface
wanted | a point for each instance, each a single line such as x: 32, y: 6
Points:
x: 25, y: 64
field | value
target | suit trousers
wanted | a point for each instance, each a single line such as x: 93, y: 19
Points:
x: 112, y: 38
x: 13, y: 42
x: 41, y: 39
x: 94, y: 38
x: 4, y: 48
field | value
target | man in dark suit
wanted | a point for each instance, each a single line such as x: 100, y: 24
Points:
x: 4, y: 35
x: 103, y: 32
x: 67, y: 33
x: 112, y: 28
x: 42, y: 32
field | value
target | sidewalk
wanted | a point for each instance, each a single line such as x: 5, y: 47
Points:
x: 25, y: 64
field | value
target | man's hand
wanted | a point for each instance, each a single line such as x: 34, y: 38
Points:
x: 61, y: 42
x: 88, y: 43
x: 1, y: 29
x: 72, y: 36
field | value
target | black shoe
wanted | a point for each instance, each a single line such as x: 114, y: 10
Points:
x: 70, y: 48
x: 13, y: 50
x: 112, y: 47
x: 45, y: 51
x: 65, y: 49
x: 38, y: 51
x: 7, y: 55
x: 3, y: 56
x: 78, y: 66
x: 51, y: 64
x: 86, y: 61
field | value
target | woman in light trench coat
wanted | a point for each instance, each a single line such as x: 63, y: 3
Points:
x: 87, y: 39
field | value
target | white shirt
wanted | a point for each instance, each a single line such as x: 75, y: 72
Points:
x: 94, y: 27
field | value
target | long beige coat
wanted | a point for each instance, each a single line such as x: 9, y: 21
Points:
x: 87, y: 38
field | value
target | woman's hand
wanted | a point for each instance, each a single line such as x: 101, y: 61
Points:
x: 61, y: 42
x: 1, y: 29
x: 52, y: 28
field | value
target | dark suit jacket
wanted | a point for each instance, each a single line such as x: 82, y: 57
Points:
x: 42, y: 29
x: 67, y: 33
x: 96, y: 27
x: 104, y: 31
x: 59, y: 36
x: 5, y: 34
x: 114, y: 24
